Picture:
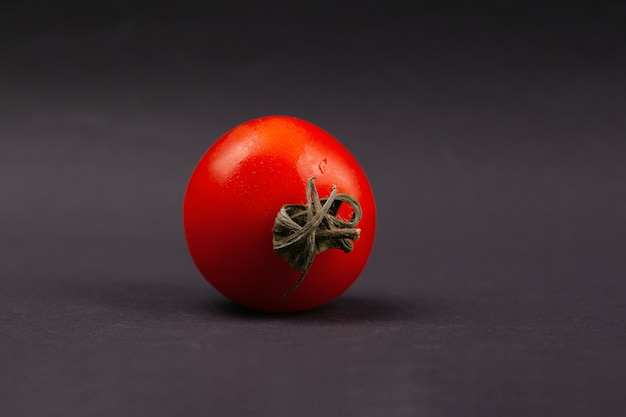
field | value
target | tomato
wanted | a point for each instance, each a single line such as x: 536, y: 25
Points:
x: 231, y: 209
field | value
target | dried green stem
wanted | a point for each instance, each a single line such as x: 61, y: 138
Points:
x: 303, y: 231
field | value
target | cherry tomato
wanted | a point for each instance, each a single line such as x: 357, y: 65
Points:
x: 233, y: 200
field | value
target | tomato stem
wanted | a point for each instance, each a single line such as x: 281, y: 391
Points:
x: 303, y: 231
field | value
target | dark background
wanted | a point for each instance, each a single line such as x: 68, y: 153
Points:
x: 493, y: 134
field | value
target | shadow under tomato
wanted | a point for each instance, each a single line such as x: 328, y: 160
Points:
x: 348, y: 309
x: 148, y: 300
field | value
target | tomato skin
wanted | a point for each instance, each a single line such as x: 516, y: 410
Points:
x: 233, y: 197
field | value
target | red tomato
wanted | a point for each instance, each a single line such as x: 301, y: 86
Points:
x: 234, y: 196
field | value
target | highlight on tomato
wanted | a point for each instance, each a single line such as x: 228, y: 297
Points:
x: 279, y: 216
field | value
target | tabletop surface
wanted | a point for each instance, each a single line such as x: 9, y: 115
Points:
x: 494, y: 140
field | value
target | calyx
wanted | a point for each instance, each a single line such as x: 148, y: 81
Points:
x: 303, y: 231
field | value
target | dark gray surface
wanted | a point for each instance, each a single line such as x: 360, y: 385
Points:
x: 494, y: 139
